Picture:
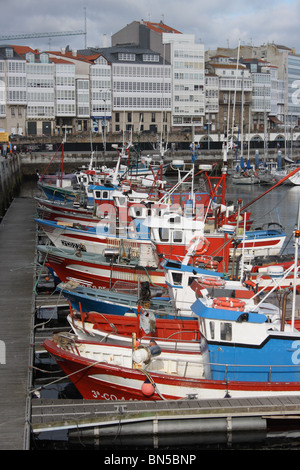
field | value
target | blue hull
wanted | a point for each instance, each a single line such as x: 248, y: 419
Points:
x: 112, y: 303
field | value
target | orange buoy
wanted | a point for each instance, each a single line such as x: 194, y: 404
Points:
x: 148, y: 388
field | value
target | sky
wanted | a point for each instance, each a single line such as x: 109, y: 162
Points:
x: 215, y: 23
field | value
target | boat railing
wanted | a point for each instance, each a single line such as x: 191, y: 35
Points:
x: 195, y: 339
x: 225, y: 369
x: 269, y: 370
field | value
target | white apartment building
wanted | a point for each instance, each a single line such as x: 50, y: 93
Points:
x: 100, y: 93
x: 187, y: 60
x: 188, y: 79
x: 293, y: 112
x: 65, y: 96
x: 140, y: 89
x: 13, y: 91
x: 40, y: 94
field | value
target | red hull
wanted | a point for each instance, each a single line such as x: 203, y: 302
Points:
x: 102, y: 275
x: 103, y: 381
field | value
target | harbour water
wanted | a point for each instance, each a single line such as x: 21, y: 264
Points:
x: 278, y: 206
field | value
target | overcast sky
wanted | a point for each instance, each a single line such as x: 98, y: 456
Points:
x: 213, y: 22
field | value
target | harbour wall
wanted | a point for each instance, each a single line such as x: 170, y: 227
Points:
x: 10, y: 180
x: 50, y: 162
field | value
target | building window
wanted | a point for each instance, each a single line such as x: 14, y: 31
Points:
x: 126, y: 56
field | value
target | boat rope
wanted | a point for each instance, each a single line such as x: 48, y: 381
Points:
x: 36, y: 390
x: 50, y: 318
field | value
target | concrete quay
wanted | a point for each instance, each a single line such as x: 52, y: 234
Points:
x: 17, y: 255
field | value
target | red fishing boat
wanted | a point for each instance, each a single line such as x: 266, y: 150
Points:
x: 169, y: 334
x: 89, y: 269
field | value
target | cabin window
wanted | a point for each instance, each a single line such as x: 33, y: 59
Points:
x: 177, y: 279
x: 97, y: 194
x: 164, y: 234
x: 174, y: 220
x: 212, y: 329
x: 105, y: 195
x: 226, y: 331
x: 177, y: 236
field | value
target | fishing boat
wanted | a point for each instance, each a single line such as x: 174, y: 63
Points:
x: 116, y: 301
x: 92, y: 270
x: 288, y: 171
x: 98, y: 237
x: 243, y: 354
x: 176, y: 334
x: 174, y: 234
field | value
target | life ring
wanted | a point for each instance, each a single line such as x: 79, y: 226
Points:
x: 212, y: 282
x: 229, y: 303
x: 249, y: 283
x: 124, y: 182
x: 208, y: 261
x: 202, y: 246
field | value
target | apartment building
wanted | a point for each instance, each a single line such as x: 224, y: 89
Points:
x: 13, y: 90
x: 187, y: 60
x: 140, y: 89
x: 235, y: 88
x: 41, y: 110
x: 152, y: 79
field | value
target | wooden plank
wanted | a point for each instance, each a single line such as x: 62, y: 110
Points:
x: 17, y: 254
x: 47, y: 414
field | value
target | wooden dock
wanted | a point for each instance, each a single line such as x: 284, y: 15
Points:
x: 161, y: 424
x: 17, y: 255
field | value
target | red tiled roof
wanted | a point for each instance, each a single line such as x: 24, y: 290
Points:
x: 160, y: 27
x: 69, y: 55
x: 57, y: 60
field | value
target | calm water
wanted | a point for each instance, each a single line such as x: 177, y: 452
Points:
x: 280, y: 205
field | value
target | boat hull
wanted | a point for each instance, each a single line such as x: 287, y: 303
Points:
x: 90, y: 272
x: 96, y: 380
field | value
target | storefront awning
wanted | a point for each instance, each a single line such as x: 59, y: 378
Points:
x: 275, y: 120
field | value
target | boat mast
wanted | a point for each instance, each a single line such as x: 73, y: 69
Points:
x: 296, y: 237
